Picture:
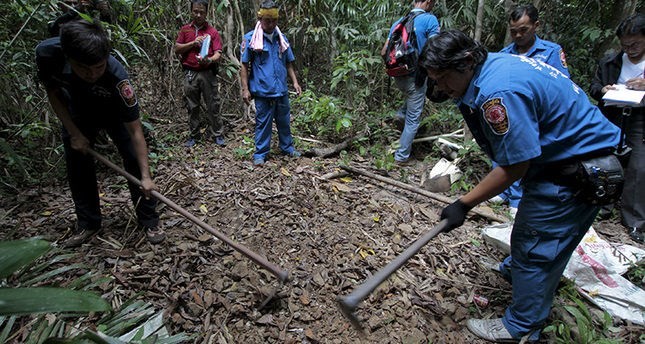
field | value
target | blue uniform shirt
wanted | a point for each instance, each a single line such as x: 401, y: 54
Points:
x: 108, y: 101
x: 426, y: 25
x: 548, y: 52
x: 268, y: 76
x: 521, y: 109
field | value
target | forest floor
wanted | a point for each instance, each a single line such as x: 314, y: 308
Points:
x: 331, y: 235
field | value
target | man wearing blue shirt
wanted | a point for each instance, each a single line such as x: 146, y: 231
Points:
x: 523, y: 23
x: 538, y: 125
x: 425, y: 26
x: 267, y: 60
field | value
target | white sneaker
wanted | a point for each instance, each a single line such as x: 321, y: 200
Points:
x: 490, y: 329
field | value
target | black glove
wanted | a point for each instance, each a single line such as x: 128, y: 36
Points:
x: 455, y: 213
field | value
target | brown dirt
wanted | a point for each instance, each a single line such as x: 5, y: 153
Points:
x: 329, y: 235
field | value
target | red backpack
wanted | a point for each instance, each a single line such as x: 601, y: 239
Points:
x: 401, y: 54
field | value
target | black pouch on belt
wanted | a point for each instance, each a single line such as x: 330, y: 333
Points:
x: 600, y: 180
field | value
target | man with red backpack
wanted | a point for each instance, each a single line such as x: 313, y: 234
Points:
x: 422, y: 25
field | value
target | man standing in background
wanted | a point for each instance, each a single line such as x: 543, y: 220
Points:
x: 200, y: 73
x: 267, y: 61
x: 628, y: 68
x: 425, y: 26
x: 523, y: 23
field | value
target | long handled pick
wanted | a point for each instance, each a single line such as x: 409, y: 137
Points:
x: 349, y: 303
x: 281, y: 274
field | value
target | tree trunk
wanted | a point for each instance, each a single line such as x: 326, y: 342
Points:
x: 479, y: 22
x: 508, y: 7
x: 619, y: 11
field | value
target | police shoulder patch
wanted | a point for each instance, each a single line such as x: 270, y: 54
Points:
x: 127, y: 93
x: 563, y: 58
x: 496, y: 115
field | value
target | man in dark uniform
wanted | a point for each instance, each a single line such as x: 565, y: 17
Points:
x: 89, y: 90
x: 539, y: 126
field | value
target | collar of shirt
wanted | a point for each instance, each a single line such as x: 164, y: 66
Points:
x: 537, y: 45
x: 468, y: 98
x: 202, y: 28
x: 270, y: 36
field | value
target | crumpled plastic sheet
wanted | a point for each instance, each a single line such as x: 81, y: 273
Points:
x: 595, y: 267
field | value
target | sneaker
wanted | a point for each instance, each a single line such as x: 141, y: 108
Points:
x: 636, y: 234
x: 258, y: 161
x: 155, y: 235
x: 402, y: 163
x: 80, y: 236
x: 219, y: 140
x: 190, y: 143
x: 490, y: 329
x: 491, y: 264
x: 294, y: 154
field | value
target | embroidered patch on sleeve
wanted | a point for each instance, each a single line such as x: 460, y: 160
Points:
x: 496, y: 115
x: 127, y: 93
x: 563, y: 58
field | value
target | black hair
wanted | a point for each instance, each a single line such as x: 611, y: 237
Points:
x: 632, y: 25
x: 521, y: 10
x: 452, y: 49
x: 268, y: 4
x: 198, y: 2
x: 85, y: 42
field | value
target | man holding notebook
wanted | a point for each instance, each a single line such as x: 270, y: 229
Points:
x: 626, y: 70
x: 200, y: 48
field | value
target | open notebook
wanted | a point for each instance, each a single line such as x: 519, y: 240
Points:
x: 621, y: 96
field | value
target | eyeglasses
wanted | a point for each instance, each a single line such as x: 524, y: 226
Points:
x: 631, y: 45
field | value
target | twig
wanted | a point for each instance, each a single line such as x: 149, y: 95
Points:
x: 21, y: 28
x: 455, y: 134
x: 426, y: 193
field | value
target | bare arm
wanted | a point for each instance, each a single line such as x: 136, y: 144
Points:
x: 495, y: 182
x: 294, y: 80
x: 384, y: 49
x: 59, y: 105
x: 141, y: 151
x: 244, y: 80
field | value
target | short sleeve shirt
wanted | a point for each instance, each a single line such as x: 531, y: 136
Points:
x: 108, y: 101
x: 426, y: 25
x: 268, y: 76
x: 187, y: 34
x: 521, y: 109
x: 548, y: 52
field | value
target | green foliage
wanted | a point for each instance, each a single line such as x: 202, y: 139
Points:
x: 17, y: 255
x: 587, y: 328
x: 246, y: 150
x: 25, y: 263
x: 356, y: 72
x: 321, y: 116
x: 636, y: 274
x: 474, y: 164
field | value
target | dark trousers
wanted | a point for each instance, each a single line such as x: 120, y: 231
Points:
x: 198, y: 84
x: 81, y: 174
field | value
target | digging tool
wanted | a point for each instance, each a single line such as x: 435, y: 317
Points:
x: 349, y: 303
x: 281, y: 274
